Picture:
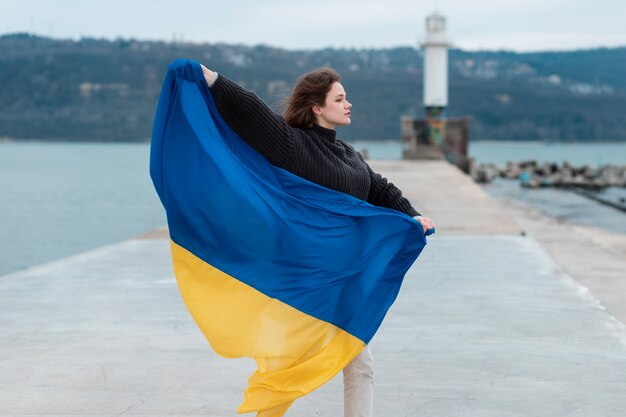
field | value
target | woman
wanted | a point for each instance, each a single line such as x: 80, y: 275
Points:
x: 304, y: 142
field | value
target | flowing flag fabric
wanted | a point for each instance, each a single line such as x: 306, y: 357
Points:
x: 271, y: 266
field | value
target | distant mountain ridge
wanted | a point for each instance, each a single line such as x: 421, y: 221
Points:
x: 95, y: 89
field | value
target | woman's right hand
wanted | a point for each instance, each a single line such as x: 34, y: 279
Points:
x: 208, y: 74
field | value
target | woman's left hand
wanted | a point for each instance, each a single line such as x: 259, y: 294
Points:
x: 426, y: 223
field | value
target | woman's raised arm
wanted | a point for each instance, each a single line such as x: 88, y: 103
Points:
x: 251, y: 119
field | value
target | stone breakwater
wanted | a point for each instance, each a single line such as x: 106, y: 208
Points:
x: 533, y: 175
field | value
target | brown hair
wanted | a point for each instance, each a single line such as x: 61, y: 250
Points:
x: 310, y: 89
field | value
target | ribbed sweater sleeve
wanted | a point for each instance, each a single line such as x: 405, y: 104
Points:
x: 384, y: 193
x: 251, y: 119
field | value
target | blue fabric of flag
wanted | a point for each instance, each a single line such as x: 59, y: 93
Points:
x: 323, y: 252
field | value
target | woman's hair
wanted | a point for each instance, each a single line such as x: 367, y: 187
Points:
x: 310, y: 89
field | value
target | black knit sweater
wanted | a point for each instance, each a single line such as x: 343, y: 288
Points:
x: 312, y: 153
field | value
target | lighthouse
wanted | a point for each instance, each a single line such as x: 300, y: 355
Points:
x: 435, y: 50
x: 435, y: 136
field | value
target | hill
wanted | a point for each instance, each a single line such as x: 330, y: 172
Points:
x: 95, y: 89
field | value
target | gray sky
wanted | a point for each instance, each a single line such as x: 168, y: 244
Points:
x: 520, y: 25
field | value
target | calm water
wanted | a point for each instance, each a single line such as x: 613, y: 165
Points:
x: 564, y: 205
x: 60, y: 199
x: 501, y: 152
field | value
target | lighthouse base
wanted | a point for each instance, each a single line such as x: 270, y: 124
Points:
x: 423, y: 152
x: 418, y: 142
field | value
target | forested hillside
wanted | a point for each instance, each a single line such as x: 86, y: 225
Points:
x: 107, y: 90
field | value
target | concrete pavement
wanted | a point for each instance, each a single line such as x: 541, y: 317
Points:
x: 487, y: 324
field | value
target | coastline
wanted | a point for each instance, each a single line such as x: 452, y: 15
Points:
x: 594, y: 257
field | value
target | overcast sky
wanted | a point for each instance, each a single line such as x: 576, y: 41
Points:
x: 520, y: 25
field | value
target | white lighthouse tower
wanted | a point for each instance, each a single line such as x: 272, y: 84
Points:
x: 436, y: 136
x: 435, y: 47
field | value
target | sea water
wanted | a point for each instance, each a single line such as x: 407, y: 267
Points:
x: 58, y: 199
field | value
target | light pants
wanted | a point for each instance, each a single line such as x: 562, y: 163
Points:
x: 358, y: 385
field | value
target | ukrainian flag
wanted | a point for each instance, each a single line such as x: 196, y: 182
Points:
x: 270, y: 265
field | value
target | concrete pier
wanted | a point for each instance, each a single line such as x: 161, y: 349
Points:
x: 492, y: 321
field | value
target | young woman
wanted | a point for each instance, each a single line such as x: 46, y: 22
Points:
x: 304, y: 142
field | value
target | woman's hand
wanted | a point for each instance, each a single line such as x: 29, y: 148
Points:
x: 208, y: 74
x: 426, y: 223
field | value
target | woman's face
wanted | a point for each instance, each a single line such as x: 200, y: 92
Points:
x: 336, y: 110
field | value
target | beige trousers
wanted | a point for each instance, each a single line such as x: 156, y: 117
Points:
x: 358, y: 385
